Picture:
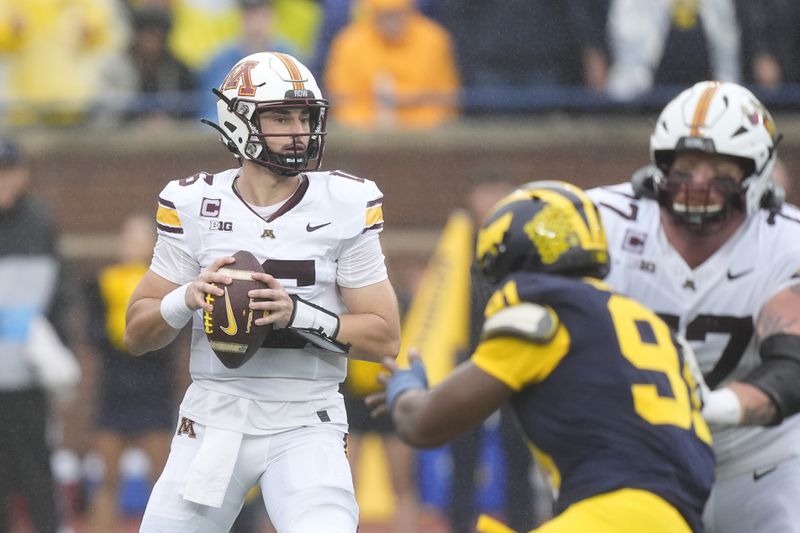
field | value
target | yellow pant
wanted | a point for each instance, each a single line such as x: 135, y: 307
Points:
x: 621, y: 511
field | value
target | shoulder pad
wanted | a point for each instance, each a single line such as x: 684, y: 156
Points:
x: 187, y: 190
x: 359, y: 196
x: 348, y: 188
x: 526, y: 320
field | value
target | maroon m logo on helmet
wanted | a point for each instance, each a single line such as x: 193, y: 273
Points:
x: 240, y: 76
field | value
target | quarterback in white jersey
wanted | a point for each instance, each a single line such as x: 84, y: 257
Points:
x: 703, y: 238
x: 278, y: 420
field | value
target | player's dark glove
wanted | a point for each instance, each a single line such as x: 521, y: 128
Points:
x: 405, y: 380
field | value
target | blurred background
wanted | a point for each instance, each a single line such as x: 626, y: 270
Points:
x: 104, y: 99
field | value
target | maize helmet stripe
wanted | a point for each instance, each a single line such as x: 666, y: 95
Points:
x: 294, y: 73
x: 492, y: 235
x: 701, y: 111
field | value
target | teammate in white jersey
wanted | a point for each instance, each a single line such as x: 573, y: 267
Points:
x: 278, y: 420
x: 703, y: 238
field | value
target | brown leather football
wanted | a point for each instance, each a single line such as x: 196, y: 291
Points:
x: 230, y: 327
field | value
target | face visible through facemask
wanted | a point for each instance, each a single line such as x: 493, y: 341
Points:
x: 702, y: 190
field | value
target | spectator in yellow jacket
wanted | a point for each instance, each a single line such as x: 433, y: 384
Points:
x: 50, y: 51
x: 393, y: 67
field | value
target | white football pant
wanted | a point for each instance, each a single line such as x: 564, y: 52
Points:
x: 765, y: 500
x: 304, y: 476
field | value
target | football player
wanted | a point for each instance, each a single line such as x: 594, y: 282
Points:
x: 704, y: 239
x: 596, y: 380
x: 278, y: 420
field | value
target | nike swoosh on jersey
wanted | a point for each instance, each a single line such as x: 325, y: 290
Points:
x: 311, y: 228
x: 758, y: 474
x: 231, y: 328
x: 732, y: 276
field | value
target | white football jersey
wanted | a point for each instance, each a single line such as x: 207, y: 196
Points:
x: 307, y: 244
x: 715, y: 305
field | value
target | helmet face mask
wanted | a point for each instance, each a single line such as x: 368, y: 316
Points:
x: 265, y: 82
x: 720, y: 119
x: 545, y: 226
x: 702, y: 203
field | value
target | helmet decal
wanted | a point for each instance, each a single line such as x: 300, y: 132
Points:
x: 241, y: 77
x: 550, y: 232
x: 701, y: 111
x: 759, y: 115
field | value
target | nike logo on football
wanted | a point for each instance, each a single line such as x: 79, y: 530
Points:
x: 732, y: 276
x: 311, y: 228
x: 758, y: 474
x: 231, y: 328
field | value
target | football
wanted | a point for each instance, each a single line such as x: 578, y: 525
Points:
x: 230, y: 327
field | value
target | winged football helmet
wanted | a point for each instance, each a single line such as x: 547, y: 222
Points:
x: 544, y: 226
x: 262, y: 81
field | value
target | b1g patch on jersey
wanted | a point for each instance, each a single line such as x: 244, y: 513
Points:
x: 635, y: 263
x: 220, y: 225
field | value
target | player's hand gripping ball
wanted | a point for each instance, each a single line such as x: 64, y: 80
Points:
x: 230, y: 326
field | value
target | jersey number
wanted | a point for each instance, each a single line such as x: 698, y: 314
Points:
x: 646, y: 342
x: 304, y: 273
x: 739, y: 329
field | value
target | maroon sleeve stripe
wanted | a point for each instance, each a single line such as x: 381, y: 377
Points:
x: 169, y: 229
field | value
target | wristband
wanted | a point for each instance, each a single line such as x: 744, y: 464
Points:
x: 406, y: 380
x: 174, y: 309
x: 722, y: 409
x: 312, y: 317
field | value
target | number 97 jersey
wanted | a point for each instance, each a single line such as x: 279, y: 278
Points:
x: 714, y: 305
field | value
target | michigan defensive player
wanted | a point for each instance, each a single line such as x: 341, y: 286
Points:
x: 278, y: 420
x: 596, y: 380
x: 705, y: 240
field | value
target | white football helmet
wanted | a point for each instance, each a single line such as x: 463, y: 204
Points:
x: 269, y: 80
x: 718, y: 118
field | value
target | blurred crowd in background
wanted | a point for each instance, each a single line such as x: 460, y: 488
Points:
x: 383, y: 64
x: 396, y: 63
